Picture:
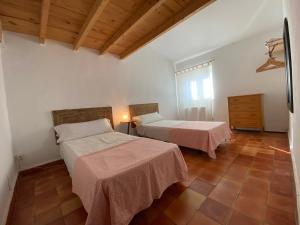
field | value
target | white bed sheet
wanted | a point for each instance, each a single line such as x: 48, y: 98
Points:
x: 159, y: 130
x: 71, y: 150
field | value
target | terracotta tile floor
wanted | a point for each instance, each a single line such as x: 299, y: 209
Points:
x: 250, y: 183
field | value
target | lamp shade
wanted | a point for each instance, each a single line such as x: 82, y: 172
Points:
x: 125, y: 118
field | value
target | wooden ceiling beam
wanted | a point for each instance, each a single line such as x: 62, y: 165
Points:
x: 147, y: 8
x: 193, y: 7
x: 45, y: 8
x: 90, y: 21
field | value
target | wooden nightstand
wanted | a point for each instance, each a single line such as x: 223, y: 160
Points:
x: 128, y: 125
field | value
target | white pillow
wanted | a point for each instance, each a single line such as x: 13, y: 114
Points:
x: 70, y: 131
x: 147, y: 118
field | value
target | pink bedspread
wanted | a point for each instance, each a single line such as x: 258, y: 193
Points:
x: 116, y: 183
x: 201, y: 135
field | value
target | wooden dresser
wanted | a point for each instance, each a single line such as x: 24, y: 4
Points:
x: 246, y: 111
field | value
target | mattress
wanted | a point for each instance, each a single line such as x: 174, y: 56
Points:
x: 199, y: 135
x: 159, y: 130
x: 71, y: 150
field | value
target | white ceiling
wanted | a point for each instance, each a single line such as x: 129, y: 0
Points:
x: 221, y: 23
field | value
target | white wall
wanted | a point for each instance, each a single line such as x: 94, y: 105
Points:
x: 291, y: 11
x: 40, y: 79
x: 234, y: 71
x: 7, y: 168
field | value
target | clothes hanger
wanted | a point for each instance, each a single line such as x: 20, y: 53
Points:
x: 271, y: 63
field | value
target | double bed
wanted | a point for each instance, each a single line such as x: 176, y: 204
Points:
x: 200, y: 135
x: 114, y: 174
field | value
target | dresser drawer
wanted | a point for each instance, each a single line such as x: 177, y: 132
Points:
x: 255, y: 99
x: 245, y: 108
x: 245, y: 123
x: 245, y: 115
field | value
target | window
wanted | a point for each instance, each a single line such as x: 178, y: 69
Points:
x: 207, y: 88
x: 195, y: 90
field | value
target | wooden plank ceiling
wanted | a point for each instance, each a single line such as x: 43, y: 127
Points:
x: 116, y: 26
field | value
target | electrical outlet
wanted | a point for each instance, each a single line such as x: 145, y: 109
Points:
x: 18, y: 160
x: 19, y: 156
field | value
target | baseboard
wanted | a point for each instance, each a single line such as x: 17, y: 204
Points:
x: 41, y: 167
x: 10, y: 198
x: 258, y: 130
x: 39, y: 164
x: 297, y: 187
x: 272, y: 131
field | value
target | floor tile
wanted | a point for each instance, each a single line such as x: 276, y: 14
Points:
x: 138, y: 219
x: 249, y: 151
x: 236, y: 173
x: 64, y: 190
x: 238, y: 218
x: 189, y: 180
x: 268, y: 151
x: 282, y: 203
x: 229, y: 184
x: 282, y: 155
x: 265, y: 155
x: 282, y: 185
x: 243, y: 160
x: 24, y: 201
x: 260, y: 174
x: 180, y: 212
x: 199, y: 218
x: 256, y: 194
x: 46, y: 201
x: 278, y: 217
x: 77, y: 217
x: 150, y: 214
x: 209, y: 177
x: 257, y: 183
x: 48, y: 217
x: 165, y: 200
x: 70, y: 205
x: 250, y: 207
x: 44, y: 185
x: 176, y: 189
x: 216, y: 211
x: 201, y: 187
x: 282, y: 168
x: 57, y: 222
x: 262, y: 166
x: 24, y: 216
x: 226, y: 192
x: 192, y: 198
x: 162, y: 220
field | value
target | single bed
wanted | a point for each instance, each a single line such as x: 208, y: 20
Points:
x: 114, y: 174
x: 199, y: 135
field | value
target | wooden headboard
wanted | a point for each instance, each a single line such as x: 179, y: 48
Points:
x: 82, y: 115
x: 141, y: 109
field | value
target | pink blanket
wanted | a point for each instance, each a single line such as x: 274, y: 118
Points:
x: 116, y: 183
x: 201, y: 135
